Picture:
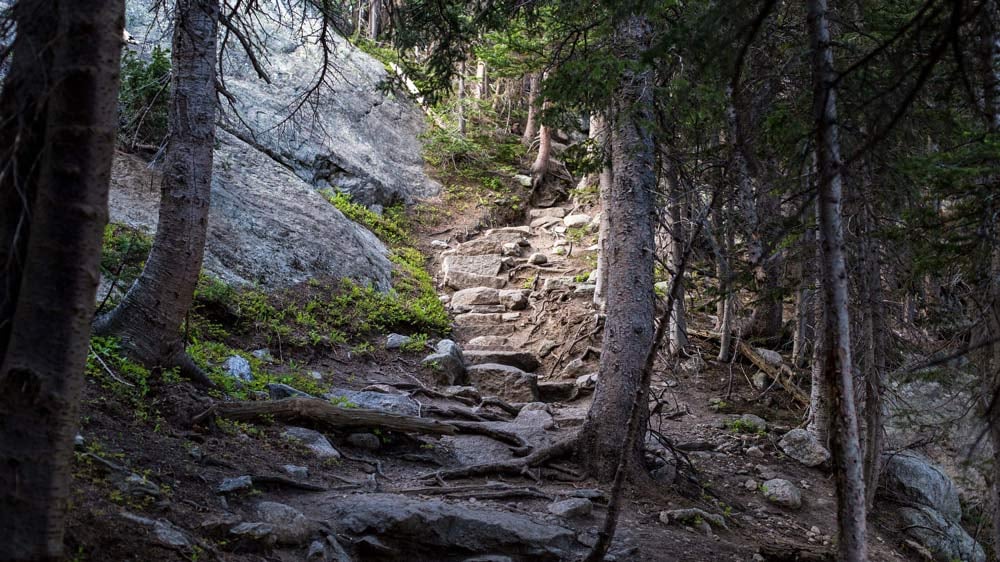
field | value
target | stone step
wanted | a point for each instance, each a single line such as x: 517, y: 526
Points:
x: 503, y: 381
x: 474, y: 331
x: 485, y: 343
x: 563, y: 391
x: 520, y: 359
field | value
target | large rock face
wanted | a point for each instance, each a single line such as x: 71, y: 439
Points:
x: 349, y: 135
x: 266, y: 226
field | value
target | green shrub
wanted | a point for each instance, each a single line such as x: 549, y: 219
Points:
x: 124, y: 253
x: 144, y: 98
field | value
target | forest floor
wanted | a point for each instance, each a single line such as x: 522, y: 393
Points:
x: 148, y: 472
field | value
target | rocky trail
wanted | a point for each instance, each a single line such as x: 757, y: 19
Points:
x: 398, y: 478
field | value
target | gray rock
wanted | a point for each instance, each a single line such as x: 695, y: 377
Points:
x: 277, y: 391
x: 537, y: 259
x: 560, y: 391
x: 439, y: 244
x: 946, y: 540
x: 803, y: 446
x: 574, y: 368
x: 235, y: 484
x: 524, y: 180
x: 464, y: 272
x: 475, y: 296
x: 531, y: 416
x: 572, y: 507
x: 585, y: 289
x: 447, y: 363
x: 295, y: 471
x: 396, y: 341
x: 503, y: 381
x: 365, y: 441
x: 546, y: 222
x: 514, y: 299
x: 753, y: 422
x: 238, y: 368
x: 314, y: 440
x: 557, y: 212
x: 761, y: 380
x: 575, y: 221
x: 489, y: 342
x: 429, y: 530
x: 290, y: 526
x: 262, y: 354
x: 783, y: 493
x: 520, y: 359
x: 665, y: 475
x: 511, y: 249
x: 165, y: 532
x: 370, y: 400
x: 587, y: 382
x: 266, y: 226
x: 771, y: 356
x: 256, y: 532
x: 910, y: 479
x: 689, y: 515
x: 693, y: 367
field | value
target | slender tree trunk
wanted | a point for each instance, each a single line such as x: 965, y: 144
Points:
x: 722, y: 242
x: 461, y: 98
x: 374, y: 17
x: 482, y: 81
x: 531, y: 124
x: 41, y: 370
x: 873, y: 357
x: 989, y: 356
x: 540, y: 168
x: 149, y: 317
x: 837, y: 363
x: 677, y: 331
x: 628, y: 328
x: 805, y: 301
x: 599, y: 132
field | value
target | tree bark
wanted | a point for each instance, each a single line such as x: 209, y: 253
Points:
x: 805, y: 299
x: 22, y: 139
x: 677, y: 331
x: 482, y: 81
x: 540, y: 168
x: 461, y: 98
x: 149, y: 317
x: 41, y: 370
x: 628, y: 331
x: 374, y: 19
x: 837, y: 364
x: 531, y: 124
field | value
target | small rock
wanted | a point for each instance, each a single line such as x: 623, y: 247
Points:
x: 238, y: 368
x: 587, y: 382
x: 537, y: 259
x: 750, y: 485
x: 574, y: 368
x: 522, y: 179
x: 572, y: 507
x: 557, y: 212
x: 295, y: 471
x: 277, y: 391
x: 166, y: 533
x: 576, y: 221
x: 690, y: 515
x: 288, y: 524
x: 314, y: 440
x: 372, y: 400
x: 255, y: 532
x: 753, y: 422
x: 396, y: 341
x: 666, y: 474
x: 364, y: 441
x: 771, y: 356
x: 235, y: 484
x: 588, y: 493
x: 316, y: 375
x: 765, y: 472
x: 475, y: 296
x: 513, y: 299
x: 506, y: 382
x: 78, y: 441
x: 511, y: 249
x: 761, y: 380
x: 782, y: 493
x: 755, y: 452
x: 693, y: 366
x: 439, y: 244
x: 803, y: 446
x: 262, y: 354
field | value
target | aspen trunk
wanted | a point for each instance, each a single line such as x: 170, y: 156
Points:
x: 531, y: 124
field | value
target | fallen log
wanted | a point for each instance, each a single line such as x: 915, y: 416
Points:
x: 784, y: 374
x: 325, y: 413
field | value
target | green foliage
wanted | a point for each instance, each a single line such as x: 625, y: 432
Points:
x: 124, y: 253
x: 417, y: 343
x: 127, y: 382
x: 144, y: 98
x: 390, y: 226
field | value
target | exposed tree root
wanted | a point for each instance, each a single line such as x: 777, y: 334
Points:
x: 517, y: 467
x: 325, y: 413
x: 522, y: 448
x: 491, y: 490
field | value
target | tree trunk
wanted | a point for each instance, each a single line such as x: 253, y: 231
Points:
x: 721, y: 239
x: 482, y: 81
x: 461, y: 98
x: 677, y: 331
x: 540, y: 168
x: 374, y: 17
x: 628, y: 329
x: 805, y: 303
x: 873, y: 365
x: 837, y: 364
x: 41, y: 370
x: 599, y: 131
x: 149, y: 317
x: 22, y: 138
x: 989, y: 356
x: 531, y: 124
